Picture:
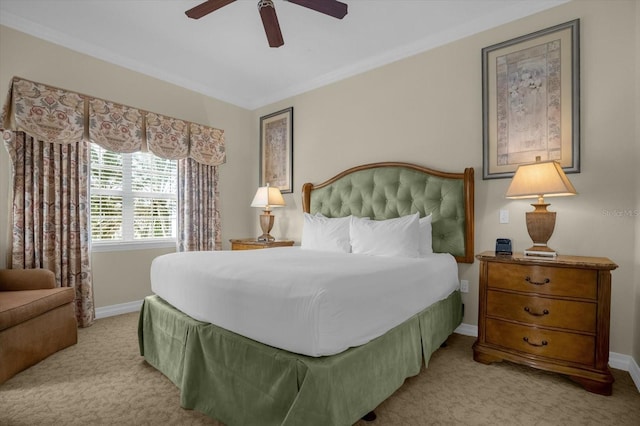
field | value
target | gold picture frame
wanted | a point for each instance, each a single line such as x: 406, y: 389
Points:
x: 531, y: 101
x: 276, y: 150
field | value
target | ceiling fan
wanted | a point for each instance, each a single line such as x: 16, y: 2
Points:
x: 268, y: 13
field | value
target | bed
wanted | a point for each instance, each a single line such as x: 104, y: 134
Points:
x: 241, y: 371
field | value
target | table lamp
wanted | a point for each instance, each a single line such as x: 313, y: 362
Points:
x: 538, y: 180
x: 267, y: 197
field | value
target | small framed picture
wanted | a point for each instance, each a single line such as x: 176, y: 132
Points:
x: 276, y: 150
x: 531, y: 101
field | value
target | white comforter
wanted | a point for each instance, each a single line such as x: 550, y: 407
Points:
x: 309, y: 302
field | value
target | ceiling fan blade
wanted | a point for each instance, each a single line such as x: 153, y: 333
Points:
x: 333, y: 8
x: 206, y: 8
x: 270, y: 23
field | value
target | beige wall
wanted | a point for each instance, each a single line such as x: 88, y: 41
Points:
x: 121, y: 277
x: 425, y: 109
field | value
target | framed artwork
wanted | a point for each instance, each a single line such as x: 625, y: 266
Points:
x: 531, y: 101
x: 276, y: 150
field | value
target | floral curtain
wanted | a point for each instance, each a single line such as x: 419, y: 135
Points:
x: 50, y: 213
x: 199, y: 225
x: 50, y: 187
x: 47, y: 133
x: 198, y: 214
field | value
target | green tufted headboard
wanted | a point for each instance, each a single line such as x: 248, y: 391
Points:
x: 388, y: 190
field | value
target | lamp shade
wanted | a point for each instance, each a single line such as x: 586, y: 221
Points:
x: 540, y: 179
x: 267, y: 197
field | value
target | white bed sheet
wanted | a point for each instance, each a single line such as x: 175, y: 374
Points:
x: 305, y: 301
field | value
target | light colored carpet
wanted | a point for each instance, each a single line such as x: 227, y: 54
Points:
x: 103, y: 381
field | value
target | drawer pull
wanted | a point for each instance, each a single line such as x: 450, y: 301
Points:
x: 543, y: 343
x: 546, y: 281
x: 536, y: 314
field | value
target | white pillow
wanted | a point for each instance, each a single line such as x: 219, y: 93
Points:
x: 397, y: 237
x: 326, y: 234
x: 426, y: 246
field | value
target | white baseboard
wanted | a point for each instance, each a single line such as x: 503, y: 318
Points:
x: 122, y: 308
x: 634, y: 372
x: 619, y: 361
x: 467, y: 330
x: 616, y: 360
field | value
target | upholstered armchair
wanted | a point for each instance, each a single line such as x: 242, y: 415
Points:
x: 36, y: 319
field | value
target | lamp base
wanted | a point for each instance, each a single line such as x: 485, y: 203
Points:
x: 266, y: 223
x: 540, y: 225
x: 540, y: 250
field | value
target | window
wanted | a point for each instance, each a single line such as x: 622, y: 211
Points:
x: 133, y: 198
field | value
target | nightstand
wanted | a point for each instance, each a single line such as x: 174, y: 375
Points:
x: 253, y: 244
x: 551, y: 314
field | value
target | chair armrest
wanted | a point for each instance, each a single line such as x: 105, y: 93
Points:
x: 26, y: 279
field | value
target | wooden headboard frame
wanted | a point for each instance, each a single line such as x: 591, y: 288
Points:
x: 433, y: 180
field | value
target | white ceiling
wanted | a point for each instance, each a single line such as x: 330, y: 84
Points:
x: 225, y: 55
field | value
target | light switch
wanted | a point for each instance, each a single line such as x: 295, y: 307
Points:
x: 504, y: 216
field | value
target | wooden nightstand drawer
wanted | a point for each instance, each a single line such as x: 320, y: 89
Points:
x: 569, y: 282
x: 580, y: 316
x: 572, y: 347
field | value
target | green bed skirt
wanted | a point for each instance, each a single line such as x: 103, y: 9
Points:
x: 239, y: 381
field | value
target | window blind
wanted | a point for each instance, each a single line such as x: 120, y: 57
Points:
x: 133, y: 197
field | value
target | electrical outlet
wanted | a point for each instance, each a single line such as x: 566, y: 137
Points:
x: 464, y: 286
x: 504, y: 216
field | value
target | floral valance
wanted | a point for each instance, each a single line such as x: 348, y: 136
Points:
x: 167, y: 137
x: 60, y: 116
x: 115, y: 127
x: 44, y: 112
x: 205, y: 145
